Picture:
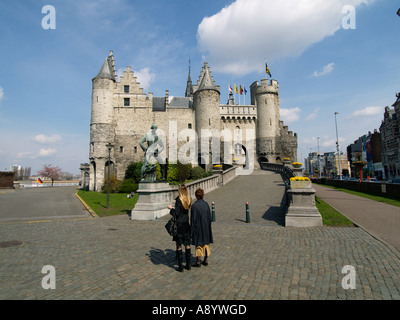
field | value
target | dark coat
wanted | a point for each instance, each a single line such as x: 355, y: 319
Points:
x: 182, y: 219
x: 200, y: 223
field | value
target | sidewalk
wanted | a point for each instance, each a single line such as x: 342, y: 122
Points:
x: 116, y: 258
x: 379, y: 219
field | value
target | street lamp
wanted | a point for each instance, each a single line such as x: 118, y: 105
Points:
x: 319, y: 160
x: 109, y: 147
x: 337, y: 148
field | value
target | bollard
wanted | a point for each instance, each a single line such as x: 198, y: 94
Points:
x: 247, y: 213
x: 213, y: 212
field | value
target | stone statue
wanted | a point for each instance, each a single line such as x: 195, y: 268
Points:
x: 152, y: 156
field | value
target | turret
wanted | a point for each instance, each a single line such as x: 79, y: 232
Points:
x: 101, y: 131
x: 266, y: 97
x: 206, y: 98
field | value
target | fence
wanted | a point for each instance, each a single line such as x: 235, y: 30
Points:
x: 34, y: 184
x: 208, y: 184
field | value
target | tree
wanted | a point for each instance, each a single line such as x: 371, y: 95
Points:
x: 50, y: 172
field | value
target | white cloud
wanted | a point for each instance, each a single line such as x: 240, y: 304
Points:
x: 237, y: 39
x: 43, y: 139
x: 145, y: 77
x: 47, y: 152
x: 325, y: 70
x: 368, y: 111
x: 312, y: 115
x: 290, y: 115
x: 26, y: 155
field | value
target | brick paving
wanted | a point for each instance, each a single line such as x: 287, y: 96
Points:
x: 116, y: 258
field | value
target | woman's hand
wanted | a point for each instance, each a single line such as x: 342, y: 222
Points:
x: 169, y: 207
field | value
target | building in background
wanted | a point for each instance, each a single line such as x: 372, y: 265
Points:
x: 390, y: 135
x: 367, y: 148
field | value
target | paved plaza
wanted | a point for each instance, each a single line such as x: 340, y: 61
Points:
x: 116, y: 258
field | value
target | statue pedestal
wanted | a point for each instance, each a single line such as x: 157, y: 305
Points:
x: 154, y: 197
x: 302, y: 211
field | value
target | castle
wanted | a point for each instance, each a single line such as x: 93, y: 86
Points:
x: 122, y: 114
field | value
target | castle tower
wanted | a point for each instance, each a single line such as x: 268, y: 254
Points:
x: 206, y: 98
x: 266, y: 97
x: 101, y: 131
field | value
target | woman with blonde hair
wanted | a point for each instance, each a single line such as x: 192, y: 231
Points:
x: 181, y: 212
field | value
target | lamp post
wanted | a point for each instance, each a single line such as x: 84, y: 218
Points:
x: 109, y: 147
x: 319, y: 161
x: 337, y: 147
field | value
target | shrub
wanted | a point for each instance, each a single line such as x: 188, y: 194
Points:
x: 209, y: 173
x: 128, y: 186
x: 172, y: 172
x: 114, y: 184
x: 197, y: 173
x: 133, y: 171
x: 183, y: 172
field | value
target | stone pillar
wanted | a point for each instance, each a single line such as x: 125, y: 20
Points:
x: 302, y: 211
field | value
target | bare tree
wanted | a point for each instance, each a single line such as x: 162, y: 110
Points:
x: 50, y: 172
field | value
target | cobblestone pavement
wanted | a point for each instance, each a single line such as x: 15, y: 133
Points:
x: 116, y: 258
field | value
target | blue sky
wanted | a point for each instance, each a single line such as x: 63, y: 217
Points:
x: 321, y: 67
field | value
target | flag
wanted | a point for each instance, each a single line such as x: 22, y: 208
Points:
x: 230, y: 89
x: 236, y: 89
x: 267, y: 69
x: 241, y: 89
x: 245, y: 91
x: 39, y: 181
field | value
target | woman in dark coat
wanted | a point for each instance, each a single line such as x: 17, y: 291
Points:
x: 200, y: 225
x: 181, y: 212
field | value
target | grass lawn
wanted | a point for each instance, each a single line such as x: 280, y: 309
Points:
x: 118, y: 202
x: 330, y: 216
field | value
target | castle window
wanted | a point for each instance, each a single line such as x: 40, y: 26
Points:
x: 127, y: 102
x: 135, y: 149
x: 189, y: 126
x: 126, y: 89
x: 121, y: 149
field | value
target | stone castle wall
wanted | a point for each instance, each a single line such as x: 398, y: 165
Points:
x: 122, y: 114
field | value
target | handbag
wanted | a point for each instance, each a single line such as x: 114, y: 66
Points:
x: 171, y: 226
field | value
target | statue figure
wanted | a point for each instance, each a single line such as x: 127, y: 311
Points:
x: 152, y: 156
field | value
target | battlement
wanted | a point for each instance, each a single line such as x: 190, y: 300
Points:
x: 266, y: 86
x: 285, y: 130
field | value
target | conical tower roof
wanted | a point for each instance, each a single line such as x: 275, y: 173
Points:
x: 206, y: 81
x: 106, y: 71
x: 189, y: 87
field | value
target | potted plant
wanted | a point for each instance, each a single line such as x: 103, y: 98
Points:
x: 300, y: 183
x: 297, y: 165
